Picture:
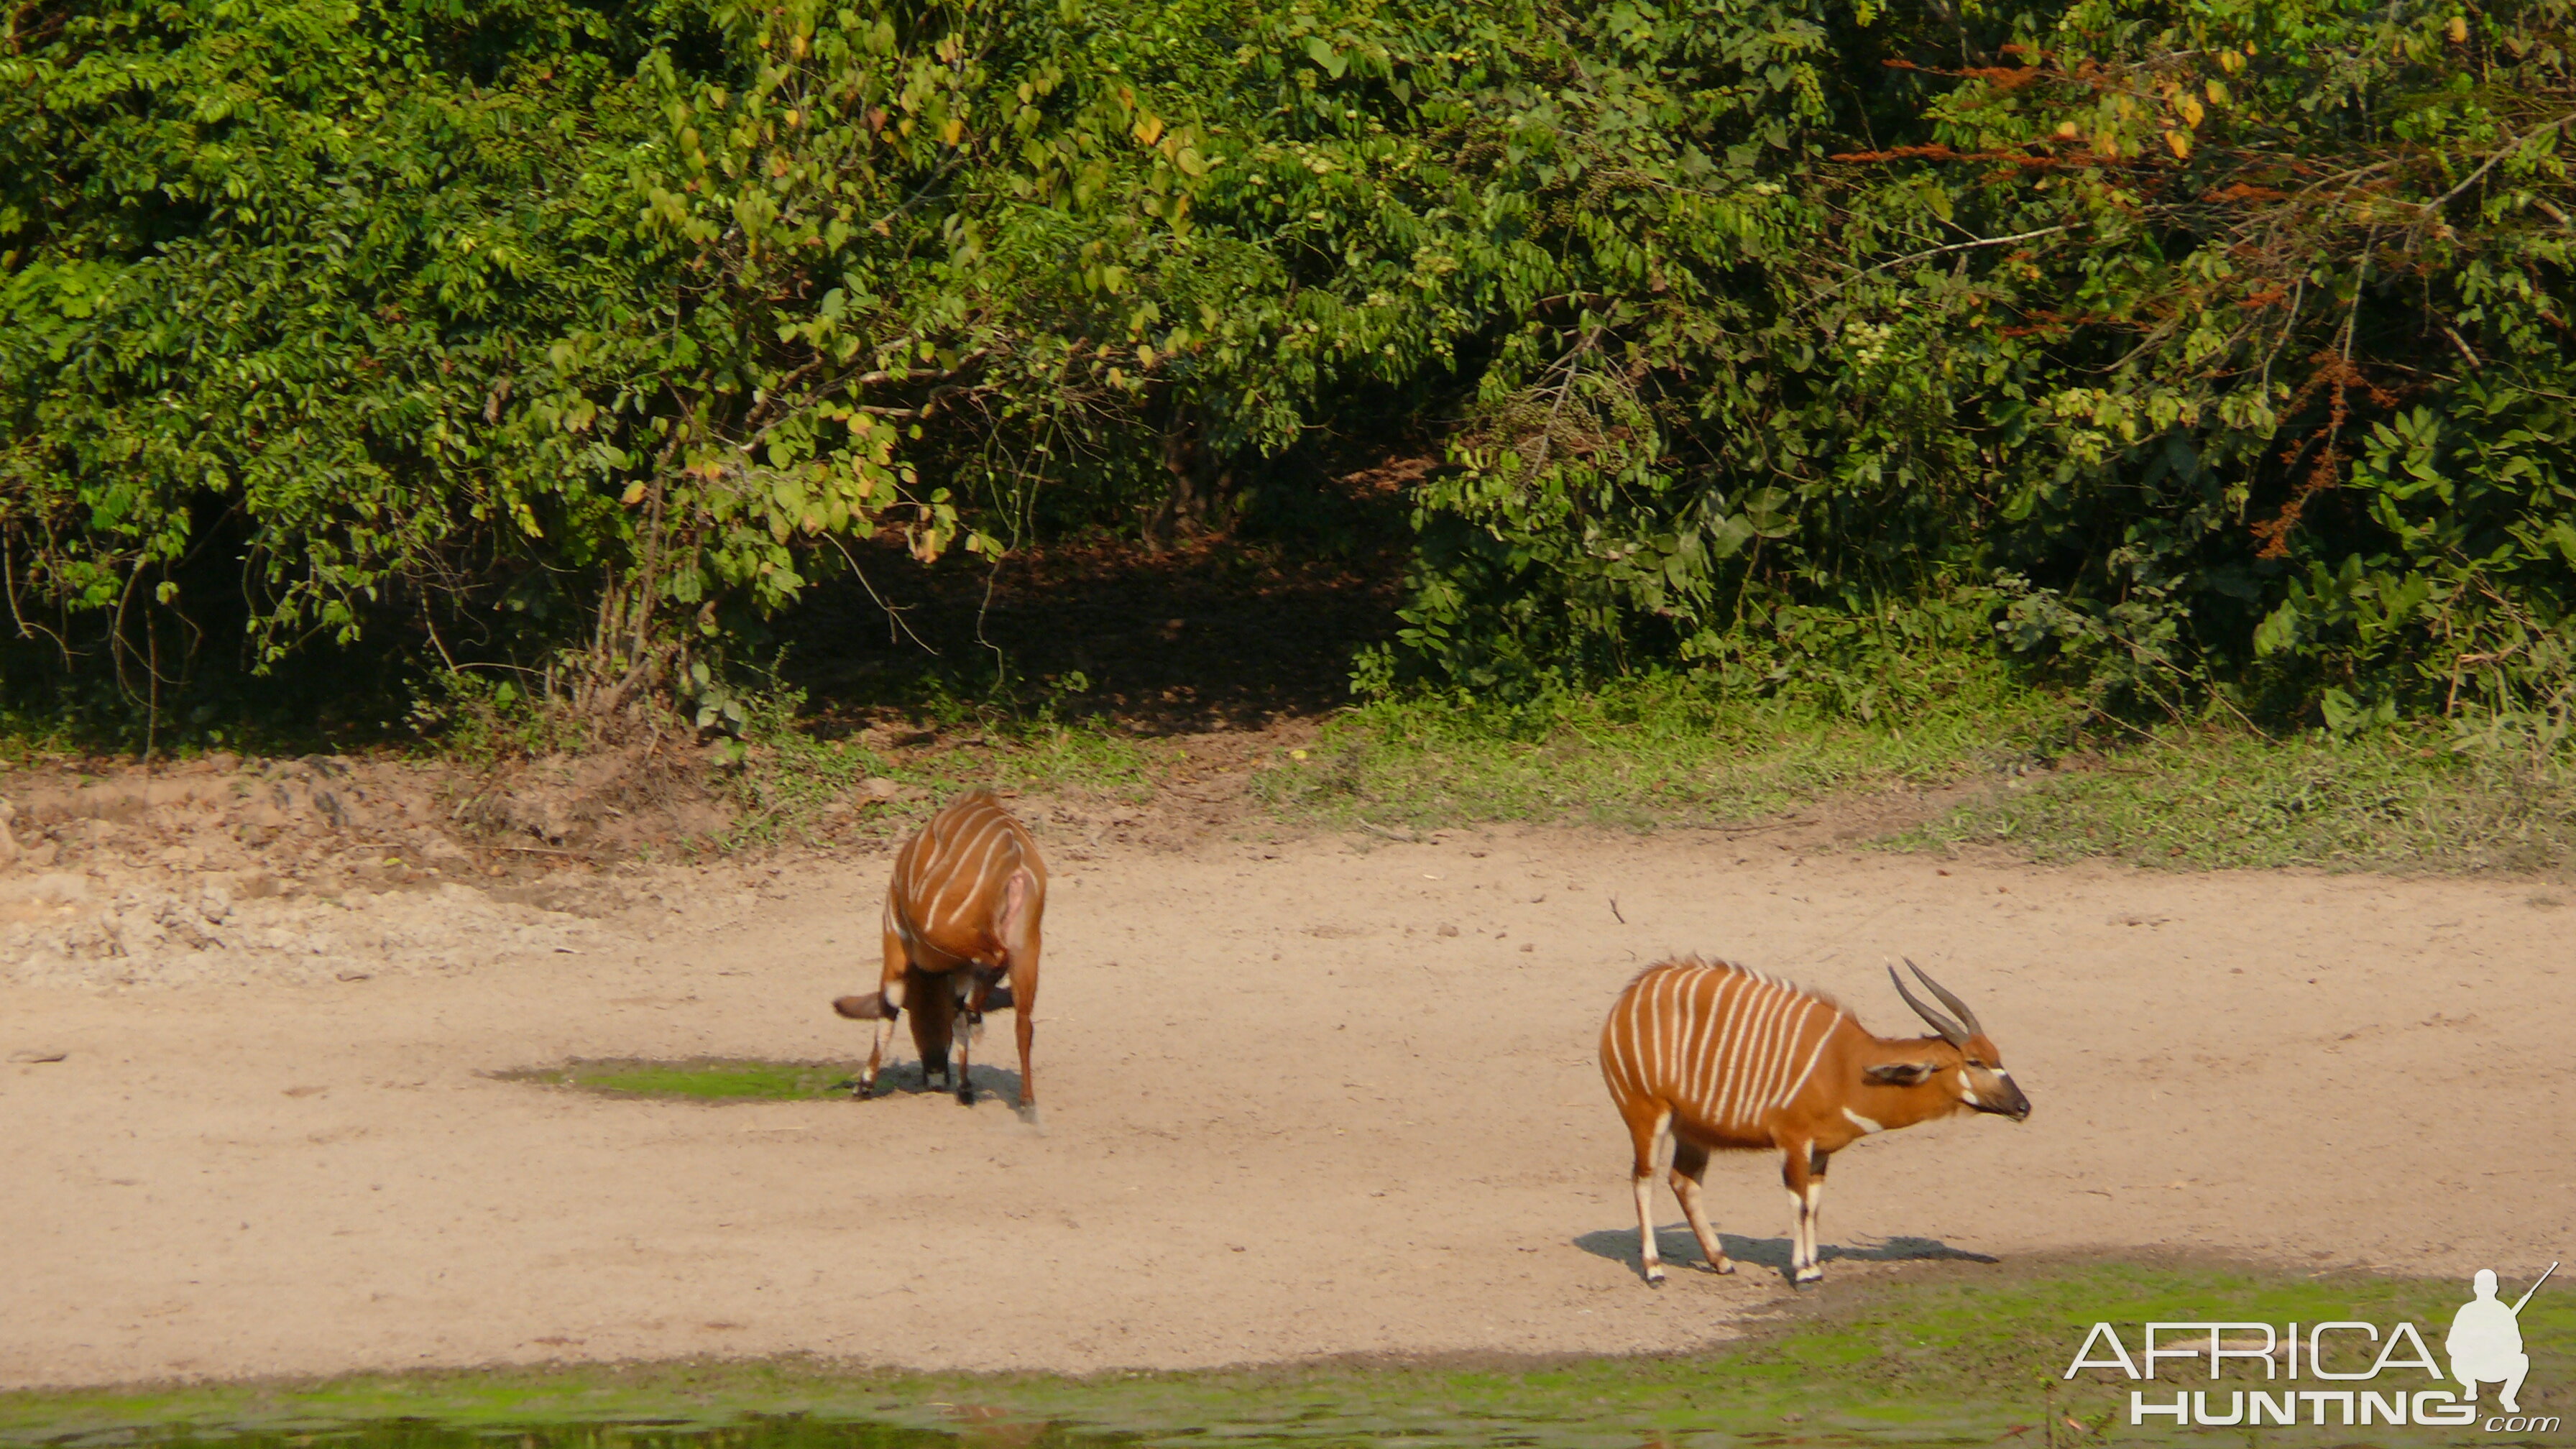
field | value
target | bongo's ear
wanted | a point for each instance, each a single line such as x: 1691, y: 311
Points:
x: 1900, y: 1074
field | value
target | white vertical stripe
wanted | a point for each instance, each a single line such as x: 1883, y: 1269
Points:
x: 1774, y: 1066
x: 1833, y: 1020
x: 974, y: 881
x: 1757, y: 1058
x: 1694, y: 1061
x: 1758, y: 1010
x: 955, y: 877
x: 1722, y: 989
x: 1668, y: 1034
x: 1773, y: 1071
x: 1614, y: 1036
x: 1725, y: 1007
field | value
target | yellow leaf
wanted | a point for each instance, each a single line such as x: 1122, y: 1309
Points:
x: 1149, y: 130
x: 2459, y: 30
x: 949, y: 133
x: 2180, y: 141
x: 2216, y: 90
x: 2189, y: 110
x: 634, y: 493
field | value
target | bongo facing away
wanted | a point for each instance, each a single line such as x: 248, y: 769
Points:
x: 961, y: 915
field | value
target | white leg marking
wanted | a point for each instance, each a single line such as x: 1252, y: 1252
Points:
x: 1815, y: 1206
x: 1646, y: 1229
x: 1646, y: 1200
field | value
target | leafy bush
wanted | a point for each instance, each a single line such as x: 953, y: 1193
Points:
x: 2211, y: 355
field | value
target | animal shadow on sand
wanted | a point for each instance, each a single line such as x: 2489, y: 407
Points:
x: 1678, y: 1249
x: 907, y: 1079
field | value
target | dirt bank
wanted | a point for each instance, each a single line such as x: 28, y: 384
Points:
x: 1287, y: 1112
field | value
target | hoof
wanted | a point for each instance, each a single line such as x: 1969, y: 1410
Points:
x: 1654, y: 1277
x: 1807, y: 1276
x: 1722, y: 1266
x: 965, y: 1095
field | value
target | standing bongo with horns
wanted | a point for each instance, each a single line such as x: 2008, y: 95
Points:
x: 1719, y: 1057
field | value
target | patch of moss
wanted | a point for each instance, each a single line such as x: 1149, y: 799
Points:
x: 1948, y: 1354
x: 699, y: 1079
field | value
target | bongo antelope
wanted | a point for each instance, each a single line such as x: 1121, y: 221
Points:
x: 1718, y: 1056
x: 961, y: 913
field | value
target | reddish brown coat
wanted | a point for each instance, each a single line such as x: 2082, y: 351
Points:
x: 961, y: 914
x: 1721, y: 1057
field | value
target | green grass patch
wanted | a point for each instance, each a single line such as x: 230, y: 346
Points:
x: 2218, y: 798
x: 2033, y: 771
x: 1652, y: 751
x: 793, y: 787
x: 700, y: 1080
x: 1947, y: 1354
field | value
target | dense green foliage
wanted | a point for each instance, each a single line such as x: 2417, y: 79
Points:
x: 2203, y: 354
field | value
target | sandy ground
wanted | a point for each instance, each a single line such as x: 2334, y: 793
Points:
x: 1285, y: 1114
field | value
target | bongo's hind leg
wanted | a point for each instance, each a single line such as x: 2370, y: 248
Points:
x: 1022, y: 901
x: 1690, y: 1169
x: 1648, y: 1121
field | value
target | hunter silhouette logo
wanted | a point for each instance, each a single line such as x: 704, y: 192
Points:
x: 2486, y: 1340
x: 2374, y: 1383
